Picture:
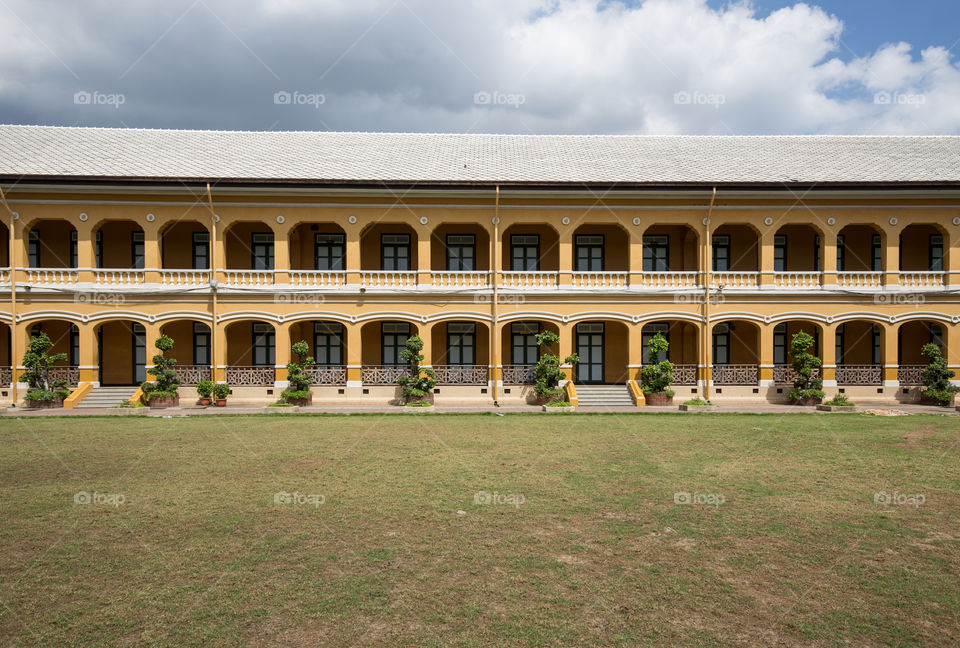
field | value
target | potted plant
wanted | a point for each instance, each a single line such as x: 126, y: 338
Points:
x: 656, y: 375
x: 936, y: 378
x: 220, y: 393
x: 808, y: 386
x: 839, y: 403
x: 298, y: 393
x: 43, y: 391
x: 548, y: 374
x: 163, y: 391
x: 697, y: 405
x: 204, y: 389
x: 417, y: 387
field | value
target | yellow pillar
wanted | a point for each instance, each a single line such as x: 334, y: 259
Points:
x: 423, y: 238
x: 86, y: 254
x: 219, y: 333
x: 767, y: 279
x: 951, y: 247
x: 565, y: 255
x: 425, y: 331
x: 281, y: 254
x: 828, y: 355
x: 352, y: 256
x: 891, y: 256
x: 22, y: 332
x: 889, y: 359
x: 89, y: 369
x: 151, y: 333
x: 829, y: 251
x: 283, y: 351
x: 765, y: 353
x: 635, y: 351
x: 353, y: 357
x: 636, y: 253
x: 566, y: 347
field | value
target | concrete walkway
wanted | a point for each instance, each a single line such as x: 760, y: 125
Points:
x: 192, y: 410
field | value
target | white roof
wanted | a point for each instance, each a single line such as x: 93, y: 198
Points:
x: 48, y: 152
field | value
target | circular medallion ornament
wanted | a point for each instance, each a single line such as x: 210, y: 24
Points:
x: 352, y: 219
x: 84, y: 217
x: 151, y: 218
x: 424, y: 220
x: 565, y: 220
x: 768, y: 221
x: 705, y: 221
x: 636, y: 220
x: 956, y: 220
x: 495, y: 220
x: 16, y: 215
x: 281, y: 219
x: 831, y: 221
x: 894, y: 220
x: 216, y: 218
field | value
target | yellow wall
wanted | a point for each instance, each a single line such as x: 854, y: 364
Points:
x: 117, y: 353
x: 177, y: 244
x: 118, y: 244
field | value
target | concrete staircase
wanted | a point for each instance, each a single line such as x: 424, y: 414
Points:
x: 604, y: 396
x: 106, y: 397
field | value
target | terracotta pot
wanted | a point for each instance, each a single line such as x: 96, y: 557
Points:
x: 807, y: 402
x: 53, y: 404
x: 165, y: 401
x: 204, y: 402
x: 221, y: 402
x: 658, y: 400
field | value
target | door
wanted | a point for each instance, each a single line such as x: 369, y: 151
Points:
x: 328, y: 343
x: 525, y: 252
x: 139, y: 354
x: 393, y: 337
x: 523, y: 347
x: 461, y: 343
x: 589, y: 253
x: 590, y: 350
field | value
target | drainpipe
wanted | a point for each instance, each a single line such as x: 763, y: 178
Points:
x: 494, y: 346
x: 705, y: 353
x: 13, y: 300
x: 213, y: 286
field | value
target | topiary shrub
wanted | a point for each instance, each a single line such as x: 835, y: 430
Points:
x: 419, y: 384
x: 167, y: 382
x: 656, y: 375
x: 807, y: 386
x: 936, y: 376
x: 43, y: 389
x: 300, y: 381
x: 205, y: 388
x: 548, y: 373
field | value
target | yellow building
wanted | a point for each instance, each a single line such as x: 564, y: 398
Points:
x: 354, y: 241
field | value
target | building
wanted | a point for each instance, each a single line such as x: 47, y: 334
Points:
x: 354, y: 241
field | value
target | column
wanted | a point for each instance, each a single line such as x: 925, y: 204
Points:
x: 890, y: 352
x: 635, y: 351
x: 151, y: 333
x: 219, y: 333
x: 767, y: 279
x: 89, y: 369
x: 424, y: 274
x: 891, y: 256
x: 565, y: 256
x: 766, y: 354
x: 828, y: 354
x: 219, y: 251
x: 86, y: 250
x: 283, y: 353
x: 566, y: 347
x: 636, y: 254
x: 353, y: 358
x: 951, y: 262
x: 425, y: 331
x: 281, y: 253
x: 151, y: 248
x: 352, y: 255
x: 829, y: 265
x: 21, y: 331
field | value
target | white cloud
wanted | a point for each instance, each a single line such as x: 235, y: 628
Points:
x: 659, y: 66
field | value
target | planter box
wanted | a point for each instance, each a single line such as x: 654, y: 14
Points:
x: 166, y: 401
x: 806, y: 402
x: 283, y: 409
x: 558, y: 410
x: 418, y: 410
x: 837, y: 408
x: 658, y: 400
x: 51, y: 404
x: 698, y: 408
x: 301, y: 402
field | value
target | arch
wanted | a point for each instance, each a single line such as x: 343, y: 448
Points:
x: 182, y: 245
x: 193, y: 340
x: 248, y: 245
x: 309, y: 252
x: 119, y: 243
x: 50, y: 243
x: 439, y: 240
x: 547, y: 242
x: 681, y: 243
x: 123, y: 351
x: 861, y: 247
x: 924, y: 247
x: 372, y: 245
x: 736, y: 248
x: 375, y: 336
x: 612, y: 239
x: 799, y: 247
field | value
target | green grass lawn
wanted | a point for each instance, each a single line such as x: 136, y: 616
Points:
x: 382, y: 541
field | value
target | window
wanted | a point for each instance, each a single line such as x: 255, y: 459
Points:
x: 328, y: 251
x: 136, y: 248
x: 936, y: 335
x: 264, y: 344
x: 98, y: 248
x: 262, y: 249
x: 656, y: 253
x: 780, y: 253
x: 461, y: 338
x: 589, y: 253
x: 461, y: 252
x: 525, y: 252
x: 649, y: 332
x: 201, y: 252
x: 393, y: 337
x: 816, y: 253
x: 201, y: 344
x: 721, y: 253
x: 328, y: 343
x: 936, y: 252
x: 395, y: 251
x: 840, y: 344
x: 523, y: 338
x: 74, y: 250
x: 74, y: 345
x: 721, y: 344
x: 841, y: 252
x: 33, y: 248
x: 875, y: 331
x: 780, y: 344
x: 876, y: 253
x: 139, y: 353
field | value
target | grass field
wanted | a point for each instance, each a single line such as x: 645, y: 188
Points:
x: 386, y: 537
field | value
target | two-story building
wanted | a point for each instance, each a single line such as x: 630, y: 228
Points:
x: 237, y: 244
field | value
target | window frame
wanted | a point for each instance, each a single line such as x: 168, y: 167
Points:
x: 650, y: 243
x: 331, y: 259
x: 591, y: 248
x: 264, y: 339
x: 456, y: 262
x: 200, y: 240
x: 332, y: 332
x: 201, y: 340
x: 461, y: 344
x: 724, y: 245
x: 526, y: 345
x: 526, y: 246
x: 269, y: 259
x: 397, y: 345
x: 396, y: 258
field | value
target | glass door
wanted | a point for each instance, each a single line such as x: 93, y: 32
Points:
x: 590, y: 350
x: 139, y: 354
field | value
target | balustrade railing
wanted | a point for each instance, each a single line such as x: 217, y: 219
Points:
x: 735, y: 279
x: 328, y: 374
x: 518, y: 374
x: 118, y: 277
x: 251, y: 376
x: 186, y: 277
x: 793, y: 280
x: 736, y: 374
x: 51, y: 276
x: 860, y: 279
x: 4, y: 275
x: 677, y: 279
x: 684, y: 374
x: 910, y: 375
x: 461, y: 374
x: 317, y: 278
x: 388, y: 279
x: 870, y: 374
x: 383, y: 374
x: 928, y: 279
x: 247, y: 278
x: 526, y: 280
x: 784, y: 374
x: 192, y: 374
x: 6, y: 376
x: 460, y: 279
x: 68, y: 373
x: 601, y: 279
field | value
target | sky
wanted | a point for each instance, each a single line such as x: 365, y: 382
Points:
x: 661, y: 67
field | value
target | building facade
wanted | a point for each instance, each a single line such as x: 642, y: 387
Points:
x: 237, y: 245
